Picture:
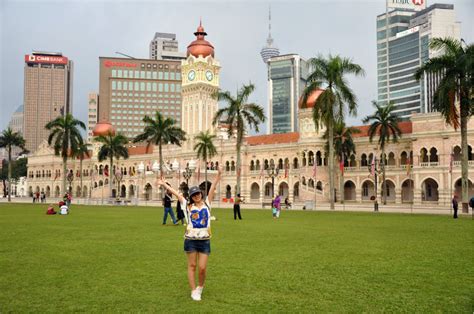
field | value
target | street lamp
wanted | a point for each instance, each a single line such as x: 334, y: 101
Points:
x: 141, y: 170
x: 188, y: 172
x: 70, y: 178
x: 156, y: 169
x: 272, y: 172
x: 375, y: 163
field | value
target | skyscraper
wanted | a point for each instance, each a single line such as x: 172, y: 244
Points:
x: 129, y: 89
x: 287, y: 76
x: 407, y: 39
x: 164, y: 46
x: 47, y: 93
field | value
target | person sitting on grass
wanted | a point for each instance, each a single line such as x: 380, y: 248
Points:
x: 51, y: 210
x: 197, y: 244
x: 63, y: 209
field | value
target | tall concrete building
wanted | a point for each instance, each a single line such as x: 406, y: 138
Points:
x: 93, y: 107
x: 287, y: 76
x: 47, y: 93
x: 129, y: 89
x: 407, y: 37
x: 164, y: 46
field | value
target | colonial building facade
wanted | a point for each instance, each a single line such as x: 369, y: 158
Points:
x: 423, y: 167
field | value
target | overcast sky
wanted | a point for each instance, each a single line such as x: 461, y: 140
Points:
x: 85, y: 30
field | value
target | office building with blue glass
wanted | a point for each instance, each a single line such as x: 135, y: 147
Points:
x: 407, y: 37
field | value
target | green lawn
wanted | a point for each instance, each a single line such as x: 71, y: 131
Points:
x: 121, y: 259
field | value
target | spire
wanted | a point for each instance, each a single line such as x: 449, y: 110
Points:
x: 269, y: 39
x: 269, y: 50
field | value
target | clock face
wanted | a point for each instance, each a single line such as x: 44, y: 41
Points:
x: 191, y: 75
x: 209, y: 75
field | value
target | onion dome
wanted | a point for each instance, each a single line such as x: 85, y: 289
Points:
x: 200, y: 47
x: 311, y: 99
x: 103, y: 128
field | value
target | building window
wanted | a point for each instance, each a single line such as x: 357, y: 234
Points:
x: 114, y: 85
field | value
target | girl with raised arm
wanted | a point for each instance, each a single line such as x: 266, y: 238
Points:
x: 197, y: 237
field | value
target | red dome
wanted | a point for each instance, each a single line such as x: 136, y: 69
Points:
x: 200, y: 47
x: 311, y: 99
x: 103, y: 128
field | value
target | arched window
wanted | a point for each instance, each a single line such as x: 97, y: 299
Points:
x: 227, y: 166
x: 310, y: 158
x: 433, y: 154
x: 295, y: 163
x: 252, y: 165
x: 280, y: 163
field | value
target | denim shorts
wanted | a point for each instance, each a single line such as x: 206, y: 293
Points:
x: 200, y: 246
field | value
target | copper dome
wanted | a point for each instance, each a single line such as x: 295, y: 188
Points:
x: 200, y: 47
x: 103, y: 128
x: 311, y: 99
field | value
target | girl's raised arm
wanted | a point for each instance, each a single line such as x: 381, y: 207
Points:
x: 162, y: 183
x: 210, y: 196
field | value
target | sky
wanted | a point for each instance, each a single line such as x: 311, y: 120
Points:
x: 85, y: 30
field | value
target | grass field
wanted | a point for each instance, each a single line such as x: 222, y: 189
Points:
x: 121, y: 259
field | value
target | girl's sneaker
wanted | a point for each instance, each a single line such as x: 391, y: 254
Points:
x: 196, y: 295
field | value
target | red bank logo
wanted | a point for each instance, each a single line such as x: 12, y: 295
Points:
x: 418, y: 2
x: 109, y: 64
x: 45, y: 59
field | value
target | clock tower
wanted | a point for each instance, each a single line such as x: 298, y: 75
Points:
x: 200, y: 80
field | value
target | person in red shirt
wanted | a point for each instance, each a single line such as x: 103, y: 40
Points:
x: 50, y: 210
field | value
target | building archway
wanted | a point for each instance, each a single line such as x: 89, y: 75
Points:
x: 390, y: 190
x: 84, y: 191
x: 296, y: 191
x: 57, y: 191
x: 283, y: 189
x: 131, y: 191
x: 349, y: 191
x: 458, y: 188
x: 78, y: 191
x: 368, y: 190
x: 429, y: 190
x: 407, y: 191
x: 254, y: 191
x: 123, y: 191
x: 48, y: 191
x: 148, y: 191
x: 268, y: 189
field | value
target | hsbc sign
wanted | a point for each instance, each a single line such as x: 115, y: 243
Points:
x: 416, y: 5
x: 45, y: 59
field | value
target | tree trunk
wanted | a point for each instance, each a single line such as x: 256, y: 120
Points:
x: 205, y: 178
x: 341, y: 185
x: 9, y: 173
x: 160, y: 156
x: 238, y: 167
x: 80, y: 173
x: 464, y: 159
x: 384, y: 182
x: 111, y: 174
x: 64, y: 174
x: 331, y: 163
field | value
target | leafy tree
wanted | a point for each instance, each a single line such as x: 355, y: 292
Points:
x: 205, y: 149
x: 385, y: 126
x: 65, y: 138
x: 160, y: 131
x: 113, y: 146
x: 344, y: 146
x: 239, y: 115
x: 8, y: 140
x: 332, y: 103
x: 453, y: 97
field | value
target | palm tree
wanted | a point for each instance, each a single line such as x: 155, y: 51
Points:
x: 81, y: 153
x: 330, y: 106
x: 456, y: 67
x: 385, y: 125
x: 239, y: 115
x: 344, y: 146
x: 66, y: 138
x: 113, y: 146
x: 8, y: 140
x: 161, y: 131
x: 205, y: 149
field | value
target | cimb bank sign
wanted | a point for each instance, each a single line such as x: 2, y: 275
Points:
x: 407, y: 4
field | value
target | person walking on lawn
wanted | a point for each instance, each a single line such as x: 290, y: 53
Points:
x: 168, y: 209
